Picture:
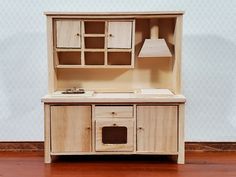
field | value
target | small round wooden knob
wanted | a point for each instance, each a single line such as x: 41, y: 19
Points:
x: 88, y: 128
x: 140, y: 128
x: 77, y: 34
x: 113, y: 113
x: 114, y: 125
x: 110, y: 35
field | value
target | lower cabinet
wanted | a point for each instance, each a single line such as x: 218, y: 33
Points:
x: 70, y: 129
x: 157, y: 129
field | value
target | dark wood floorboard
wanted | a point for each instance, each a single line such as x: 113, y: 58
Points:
x: 198, y: 164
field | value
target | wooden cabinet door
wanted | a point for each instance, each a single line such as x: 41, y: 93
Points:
x: 68, y: 33
x: 71, y: 128
x: 119, y: 34
x: 157, y: 129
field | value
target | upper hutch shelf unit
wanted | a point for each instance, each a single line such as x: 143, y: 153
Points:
x: 92, y: 43
x: 114, y: 84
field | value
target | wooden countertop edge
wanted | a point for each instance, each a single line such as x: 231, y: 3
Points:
x: 55, y: 99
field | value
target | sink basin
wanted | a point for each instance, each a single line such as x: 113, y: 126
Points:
x: 113, y: 95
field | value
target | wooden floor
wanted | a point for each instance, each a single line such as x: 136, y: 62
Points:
x: 198, y: 164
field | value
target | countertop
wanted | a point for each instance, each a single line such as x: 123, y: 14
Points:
x: 113, y: 98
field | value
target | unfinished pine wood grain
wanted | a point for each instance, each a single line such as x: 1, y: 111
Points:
x: 68, y: 33
x: 52, y: 75
x: 93, y: 128
x: 47, y: 134
x: 94, y: 50
x: 110, y: 152
x: 157, y: 129
x: 107, y: 63
x: 133, y: 62
x: 135, y: 128
x: 71, y: 128
x: 114, y: 111
x: 147, y: 14
x: 145, y: 74
x: 181, y: 146
x: 154, y: 28
x: 106, y: 44
x: 154, y: 48
x: 178, y: 52
x: 114, y: 98
x: 94, y: 66
x: 119, y: 34
x: 82, y: 43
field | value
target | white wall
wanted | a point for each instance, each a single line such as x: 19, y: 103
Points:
x: 209, y: 62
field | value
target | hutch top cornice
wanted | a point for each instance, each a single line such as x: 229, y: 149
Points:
x: 131, y: 14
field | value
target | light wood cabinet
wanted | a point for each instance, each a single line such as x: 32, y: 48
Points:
x: 71, y: 128
x: 114, y: 84
x: 157, y: 129
x: 68, y: 33
x: 120, y: 35
x: 94, y: 43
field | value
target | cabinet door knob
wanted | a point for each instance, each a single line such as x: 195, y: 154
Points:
x: 77, y: 34
x: 140, y: 128
x: 114, y: 125
x: 110, y: 35
x: 113, y: 113
x: 88, y: 128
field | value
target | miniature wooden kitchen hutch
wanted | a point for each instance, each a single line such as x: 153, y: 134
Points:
x: 114, y: 84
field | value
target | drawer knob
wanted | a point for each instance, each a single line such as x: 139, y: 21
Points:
x: 113, y: 113
x: 114, y: 125
x: 141, y: 128
x: 110, y: 35
x: 77, y: 34
x: 88, y: 128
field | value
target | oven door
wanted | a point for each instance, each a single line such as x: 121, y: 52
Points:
x: 114, y: 135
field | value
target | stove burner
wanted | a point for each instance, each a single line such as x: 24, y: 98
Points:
x: 74, y: 91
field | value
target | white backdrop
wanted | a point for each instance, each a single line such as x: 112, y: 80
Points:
x: 209, y: 63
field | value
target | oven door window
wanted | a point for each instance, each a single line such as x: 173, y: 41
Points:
x: 114, y: 135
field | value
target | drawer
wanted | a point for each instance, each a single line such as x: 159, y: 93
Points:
x: 114, y: 111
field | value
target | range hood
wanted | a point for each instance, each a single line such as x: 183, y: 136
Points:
x: 154, y: 47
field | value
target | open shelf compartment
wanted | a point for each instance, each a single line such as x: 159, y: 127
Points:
x: 94, y: 27
x: 94, y: 58
x: 94, y: 42
x: 69, y: 58
x: 119, y: 58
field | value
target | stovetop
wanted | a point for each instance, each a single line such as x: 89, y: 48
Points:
x: 74, y: 90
